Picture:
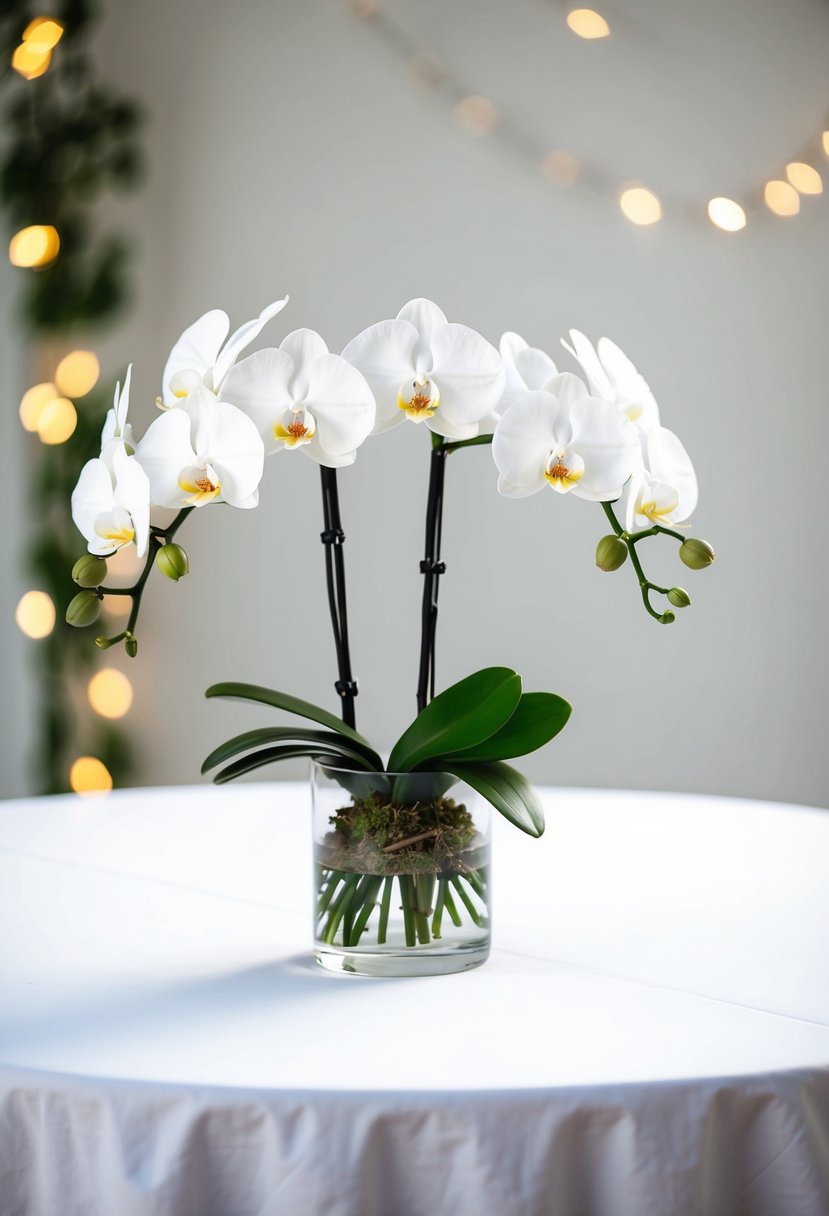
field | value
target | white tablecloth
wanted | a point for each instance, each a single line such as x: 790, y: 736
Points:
x: 649, y: 1038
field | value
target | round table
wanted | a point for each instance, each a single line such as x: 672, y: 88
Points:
x: 649, y: 1038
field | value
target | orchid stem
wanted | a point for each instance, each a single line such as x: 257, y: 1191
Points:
x: 431, y: 567
x: 631, y: 539
x: 333, y: 538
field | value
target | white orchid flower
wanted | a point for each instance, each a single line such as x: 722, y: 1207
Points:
x: 116, y: 428
x: 111, y: 503
x: 202, y: 451
x: 561, y: 437
x: 303, y: 398
x: 527, y: 368
x: 663, y: 489
x: 421, y: 367
x: 199, y: 357
x: 614, y: 378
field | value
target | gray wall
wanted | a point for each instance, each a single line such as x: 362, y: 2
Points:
x: 290, y: 152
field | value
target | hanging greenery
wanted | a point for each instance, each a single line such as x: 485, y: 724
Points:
x: 69, y: 138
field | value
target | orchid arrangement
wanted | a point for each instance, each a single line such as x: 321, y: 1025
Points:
x: 595, y: 436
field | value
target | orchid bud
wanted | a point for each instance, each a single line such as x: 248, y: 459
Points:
x: 131, y: 645
x: 89, y: 570
x: 679, y: 597
x: 611, y: 553
x: 172, y: 561
x: 667, y: 618
x: 84, y: 609
x: 105, y: 643
x: 696, y: 554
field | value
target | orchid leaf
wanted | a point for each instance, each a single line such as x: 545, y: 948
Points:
x: 326, y: 743
x: 538, y: 718
x: 506, y: 789
x: 271, y: 755
x: 458, y: 718
x: 421, y: 787
x: 291, y: 705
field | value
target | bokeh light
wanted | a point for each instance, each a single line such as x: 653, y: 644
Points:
x: 30, y: 62
x: 110, y: 692
x: 35, y: 614
x: 37, y: 245
x: 587, y: 23
x: 804, y: 178
x: 825, y: 140
x: 640, y: 206
x: 57, y: 421
x: 88, y: 775
x: 43, y: 33
x: 77, y: 373
x: 561, y: 168
x: 726, y: 214
x: 33, y: 402
x: 781, y: 198
x: 476, y: 115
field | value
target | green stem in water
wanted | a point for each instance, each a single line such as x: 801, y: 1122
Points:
x: 369, y: 904
x: 404, y: 881
x: 385, y: 907
x: 338, y: 909
x: 437, y: 919
x: 454, y: 915
x: 470, y: 907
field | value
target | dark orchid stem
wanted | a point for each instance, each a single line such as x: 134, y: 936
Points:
x: 431, y: 568
x: 333, y: 539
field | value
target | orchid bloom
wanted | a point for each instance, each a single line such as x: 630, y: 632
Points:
x: 421, y: 367
x: 527, y: 368
x: 202, y: 357
x: 559, y: 436
x: 302, y: 398
x: 116, y: 428
x: 613, y: 377
x: 111, y: 503
x: 205, y: 450
x: 663, y: 489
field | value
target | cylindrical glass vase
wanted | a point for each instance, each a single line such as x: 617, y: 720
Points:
x: 401, y: 872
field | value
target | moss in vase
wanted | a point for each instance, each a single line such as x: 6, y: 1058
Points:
x: 375, y: 836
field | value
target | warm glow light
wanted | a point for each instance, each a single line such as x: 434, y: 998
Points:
x: 33, y: 402
x: 30, y: 62
x: 90, y: 776
x: 36, y: 245
x: 57, y: 421
x: 110, y: 692
x: 476, y: 115
x: 726, y: 214
x: 35, y: 614
x: 43, y: 33
x: 825, y: 139
x: 640, y: 206
x: 804, y: 178
x: 781, y: 198
x: 587, y: 23
x: 560, y: 168
x: 77, y: 373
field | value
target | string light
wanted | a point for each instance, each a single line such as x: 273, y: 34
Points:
x: 77, y: 373
x: 35, y: 246
x: 640, y: 206
x: 29, y: 62
x: 43, y: 33
x: 476, y: 115
x: 781, y: 198
x: 88, y: 775
x: 561, y: 168
x: 110, y: 691
x: 35, y: 614
x: 726, y: 214
x: 804, y: 178
x: 33, y: 402
x: 587, y: 23
x: 57, y: 421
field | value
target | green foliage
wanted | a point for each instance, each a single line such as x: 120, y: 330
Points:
x: 538, y: 718
x: 68, y: 139
x: 506, y: 789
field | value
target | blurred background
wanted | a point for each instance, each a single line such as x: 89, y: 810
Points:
x: 202, y: 155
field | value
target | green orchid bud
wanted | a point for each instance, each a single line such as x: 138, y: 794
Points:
x: 611, y: 553
x: 667, y: 618
x: 172, y: 561
x: 696, y: 554
x: 89, y: 570
x: 105, y: 643
x: 84, y: 609
x: 131, y: 645
x: 679, y: 597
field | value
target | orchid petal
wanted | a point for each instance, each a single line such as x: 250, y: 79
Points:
x: 469, y: 373
x: 535, y: 367
x: 92, y: 495
x: 260, y: 387
x: 384, y: 354
x: 237, y: 454
x: 241, y: 338
x: 132, y: 490
x: 608, y: 444
x: 510, y: 346
x: 568, y: 388
x: 427, y: 318
x: 196, y: 350
x: 341, y: 401
x: 669, y: 462
x: 303, y: 346
x: 163, y: 452
x: 523, y: 440
x: 583, y: 352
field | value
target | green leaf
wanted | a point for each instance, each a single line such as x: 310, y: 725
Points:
x: 291, y: 705
x: 538, y: 718
x: 421, y: 787
x: 458, y: 718
x: 506, y: 789
x: 360, y: 785
x: 326, y: 742
x: 269, y: 755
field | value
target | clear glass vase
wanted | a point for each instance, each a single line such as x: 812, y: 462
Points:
x: 401, y: 872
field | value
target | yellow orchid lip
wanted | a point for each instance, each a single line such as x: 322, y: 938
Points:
x: 563, y: 470
x: 201, y: 490
x: 294, y: 434
x: 421, y: 402
x: 120, y: 536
